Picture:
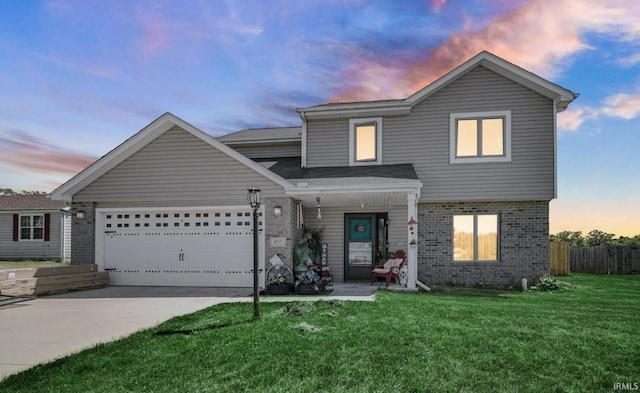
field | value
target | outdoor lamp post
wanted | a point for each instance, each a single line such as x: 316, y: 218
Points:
x: 255, y: 199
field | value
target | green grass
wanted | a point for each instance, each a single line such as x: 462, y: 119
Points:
x: 23, y: 264
x: 580, y: 339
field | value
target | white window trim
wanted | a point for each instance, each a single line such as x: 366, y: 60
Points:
x: 475, y: 239
x: 31, y: 228
x: 453, y: 117
x: 352, y: 140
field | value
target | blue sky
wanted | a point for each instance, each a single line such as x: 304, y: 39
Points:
x: 79, y: 77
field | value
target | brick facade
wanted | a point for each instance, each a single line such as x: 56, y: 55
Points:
x: 523, y: 244
x: 283, y: 226
x: 83, y: 246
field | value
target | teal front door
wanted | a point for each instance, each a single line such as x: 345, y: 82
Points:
x: 360, y: 246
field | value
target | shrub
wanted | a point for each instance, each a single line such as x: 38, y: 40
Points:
x: 547, y: 283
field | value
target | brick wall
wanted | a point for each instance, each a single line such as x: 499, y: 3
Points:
x: 83, y: 245
x: 523, y: 244
x: 283, y: 226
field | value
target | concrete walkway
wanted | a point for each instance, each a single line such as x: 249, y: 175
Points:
x: 50, y: 327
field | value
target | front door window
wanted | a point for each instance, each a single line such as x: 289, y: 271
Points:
x: 364, y: 234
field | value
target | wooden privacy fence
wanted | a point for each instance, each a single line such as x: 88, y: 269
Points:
x: 559, y: 258
x: 606, y: 259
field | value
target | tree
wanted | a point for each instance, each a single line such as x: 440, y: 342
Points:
x: 594, y: 238
x: 575, y: 239
x: 9, y: 191
x: 599, y: 238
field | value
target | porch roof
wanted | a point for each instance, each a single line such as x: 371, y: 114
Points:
x: 289, y: 168
x: 362, y: 192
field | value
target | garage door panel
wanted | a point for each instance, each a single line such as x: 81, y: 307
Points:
x: 182, y: 248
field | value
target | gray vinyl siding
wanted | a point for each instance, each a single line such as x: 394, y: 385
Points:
x: 177, y: 168
x: 328, y: 143
x: 267, y: 150
x: 422, y: 138
x: 332, y: 223
x: 32, y: 249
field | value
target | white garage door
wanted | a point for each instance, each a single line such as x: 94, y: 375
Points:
x: 207, y: 247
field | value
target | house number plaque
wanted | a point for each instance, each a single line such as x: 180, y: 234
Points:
x: 278, y: 242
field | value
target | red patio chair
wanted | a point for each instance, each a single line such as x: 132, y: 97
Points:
x: 390, y: 269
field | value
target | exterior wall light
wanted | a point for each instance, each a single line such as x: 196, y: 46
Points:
x: 255, y: 199
x: 277, y: 211
x: 80, y: 214
x: 319, y: 211
x: 411, y: 223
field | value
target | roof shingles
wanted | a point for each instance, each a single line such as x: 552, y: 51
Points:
x: 289, y: 168
x: 29, y: 202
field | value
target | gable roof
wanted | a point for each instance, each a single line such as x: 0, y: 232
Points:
x: 485, y: 59
x: 132, y: 145
x: 29, y: 202
x: 257, y: 135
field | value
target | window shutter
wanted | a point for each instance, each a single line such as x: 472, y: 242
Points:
x: 16, y: 227
x: 47, y: 225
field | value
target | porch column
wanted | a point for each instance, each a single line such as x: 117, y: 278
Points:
x: 412, y: 250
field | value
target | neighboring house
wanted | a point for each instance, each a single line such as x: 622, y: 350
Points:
x: 34, y: 227
x: 459, y: 175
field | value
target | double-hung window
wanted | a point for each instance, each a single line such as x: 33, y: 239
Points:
x: 365, y: 141
x: 32, y: 227
x: 480, y: 137
x: 475, y: 237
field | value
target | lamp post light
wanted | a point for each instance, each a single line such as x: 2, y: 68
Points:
x: 255, y: 199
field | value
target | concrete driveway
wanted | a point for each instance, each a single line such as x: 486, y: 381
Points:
x: 47, y: 328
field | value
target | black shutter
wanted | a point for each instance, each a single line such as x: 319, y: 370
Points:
x: 16, y: 227
x: 47, y: 227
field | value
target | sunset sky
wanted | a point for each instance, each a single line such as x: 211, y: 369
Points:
x: 80, y: 77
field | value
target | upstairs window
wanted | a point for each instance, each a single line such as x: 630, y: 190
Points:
x: 480, y: 137
x: 32, y: 227
x: 365, y: 141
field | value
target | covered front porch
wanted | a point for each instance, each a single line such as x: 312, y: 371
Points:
x: 363, y: 220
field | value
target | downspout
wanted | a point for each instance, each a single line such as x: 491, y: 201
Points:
x: 555, y: 147
x: 423, y: 286
x: 303, y: 142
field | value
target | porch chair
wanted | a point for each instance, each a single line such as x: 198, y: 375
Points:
x: 390, y: 269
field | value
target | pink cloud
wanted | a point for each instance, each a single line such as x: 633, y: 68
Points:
x: 21, y: 151
x: 571, y: 119
x: 539, y: 36
x: 156, y: 32
x: 622, y: 105
x: 437, y: 5
x: 626, y: 106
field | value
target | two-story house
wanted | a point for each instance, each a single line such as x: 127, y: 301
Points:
x: 459, y: 175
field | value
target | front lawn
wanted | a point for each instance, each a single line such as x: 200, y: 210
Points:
x: 581, y: 339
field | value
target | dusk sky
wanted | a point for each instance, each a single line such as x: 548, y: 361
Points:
x: 80, y: 77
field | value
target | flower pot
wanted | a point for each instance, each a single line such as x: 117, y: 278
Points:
x: 276, y: 289
x: 310, y: 289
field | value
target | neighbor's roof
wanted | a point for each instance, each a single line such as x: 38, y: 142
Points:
x: 253, y: 135
x: 29, y: 202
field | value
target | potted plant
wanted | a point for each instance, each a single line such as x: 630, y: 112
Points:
x: 309, y: 283
x: 279, y: 283
x: 383, y: 256
x: 300, y: 257
x: 313, y: 239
